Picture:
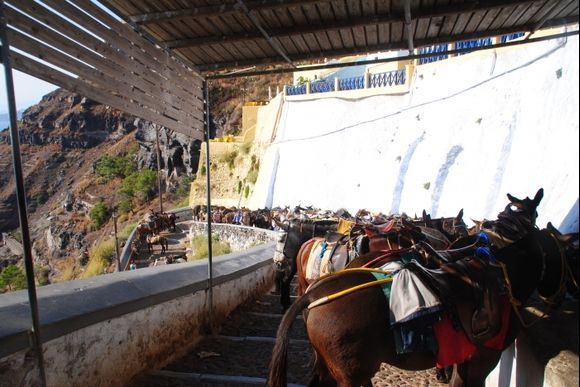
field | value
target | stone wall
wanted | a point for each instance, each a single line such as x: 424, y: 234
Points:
x: 104, y: 330
x: 238, y: 237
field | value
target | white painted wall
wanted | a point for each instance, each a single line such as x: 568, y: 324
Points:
x: 471, y: 129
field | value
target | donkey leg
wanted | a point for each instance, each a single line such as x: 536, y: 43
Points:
x: 473, y: 372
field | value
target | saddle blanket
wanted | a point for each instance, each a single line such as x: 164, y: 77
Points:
x: 410, y: 298
x: 325, y: 259
x: 455, y: 347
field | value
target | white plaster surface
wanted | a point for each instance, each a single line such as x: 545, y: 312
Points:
x: 471, y: 129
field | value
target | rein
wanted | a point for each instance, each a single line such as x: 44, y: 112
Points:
x: 565, y: 272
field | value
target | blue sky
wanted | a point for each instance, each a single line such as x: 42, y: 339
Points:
x: 28, y: 90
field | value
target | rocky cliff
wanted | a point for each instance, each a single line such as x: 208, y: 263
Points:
x: 61, y: 139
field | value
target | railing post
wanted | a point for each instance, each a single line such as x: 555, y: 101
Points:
x: 336, y: 84
x: 284, y: 90
x: 308, y: 87
x: 366, y: 79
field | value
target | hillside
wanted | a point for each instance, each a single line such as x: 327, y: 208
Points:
x: 62, y: 139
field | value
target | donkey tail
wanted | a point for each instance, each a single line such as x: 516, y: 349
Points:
x: 278, y: 363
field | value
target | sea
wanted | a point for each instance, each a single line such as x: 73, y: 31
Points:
x: 5, y: 119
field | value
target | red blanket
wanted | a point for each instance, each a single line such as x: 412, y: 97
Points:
x: 455, y: 347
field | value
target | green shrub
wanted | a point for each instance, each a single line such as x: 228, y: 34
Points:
x: 140, y: 184
x: 240, y: 184
x: 247, y: 191
x: 125, y: 205
x: 229, y: 158
x: 100, y: 257
x: 184, y: 186
x: 200, y: 250
x: 183, y: 202
x: 202, y: 170
x: 99, y: 214
x: 252, y: 176
x: 123, y: 235
x: 41, y: 274
x: 112, y: 166
x: 245, y: 147
x: 12, y: 278
x: 16, y: 234
x: 42, y: 196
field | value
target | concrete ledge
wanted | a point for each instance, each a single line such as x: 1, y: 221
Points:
x: 104, y: 330
x: 546, y: 353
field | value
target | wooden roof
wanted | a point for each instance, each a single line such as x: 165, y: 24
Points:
x: 212, y: 36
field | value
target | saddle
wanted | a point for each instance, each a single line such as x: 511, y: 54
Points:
x: 439, y: 257
x: 470, y: 288
x: 328, y: 255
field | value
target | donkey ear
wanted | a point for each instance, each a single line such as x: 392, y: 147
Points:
x: 459, y: 215
x: 551, y: 227
x: 513, y: 199
x: 539, y: 196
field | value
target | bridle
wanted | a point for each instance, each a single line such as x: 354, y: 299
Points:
x: 565, y: 275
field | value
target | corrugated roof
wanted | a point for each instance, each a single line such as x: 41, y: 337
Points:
x: 214, y: 36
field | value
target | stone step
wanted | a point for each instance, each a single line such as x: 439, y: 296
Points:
x: 242, y: 356
x: 190, y: 378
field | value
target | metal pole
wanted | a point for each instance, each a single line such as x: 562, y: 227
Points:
x: 21, y: 200
x: 208, y: 185
x: 159, y: 168
x: 118, y: 258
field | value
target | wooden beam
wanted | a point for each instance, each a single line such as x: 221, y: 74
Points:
x: 273, y: 43
x: 282, y: 70
x: 285, y: 32
x: 97, y: 77
x: 417, y: 14
x: 78, y: 86
x: 88, y: 51
x: 217, y: 10
x: 189, y: 76
x: 382, y: 47
x: 103, y: 48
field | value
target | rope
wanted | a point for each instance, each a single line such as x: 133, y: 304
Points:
x: 342, y: 293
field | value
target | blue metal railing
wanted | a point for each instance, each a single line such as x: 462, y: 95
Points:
x: 438, y: 48
x: 389, y: 78
x: 507, y: 38
x: 321, y: 86
x: 296, y: 89
x: 442, y: 48
x: 472, y: 44
x: 351, y: 83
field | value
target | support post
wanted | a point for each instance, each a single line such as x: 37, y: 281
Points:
x: 208, y: 185
x: 366, y: 80
x: 159, y: 168
x: 21, y: 200
x: 117, y: 257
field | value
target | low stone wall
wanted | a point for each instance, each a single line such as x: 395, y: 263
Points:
x: 104, y: 330
x: 238, y: 237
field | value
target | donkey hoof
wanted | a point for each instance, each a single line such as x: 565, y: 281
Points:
x: 441, y: 376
